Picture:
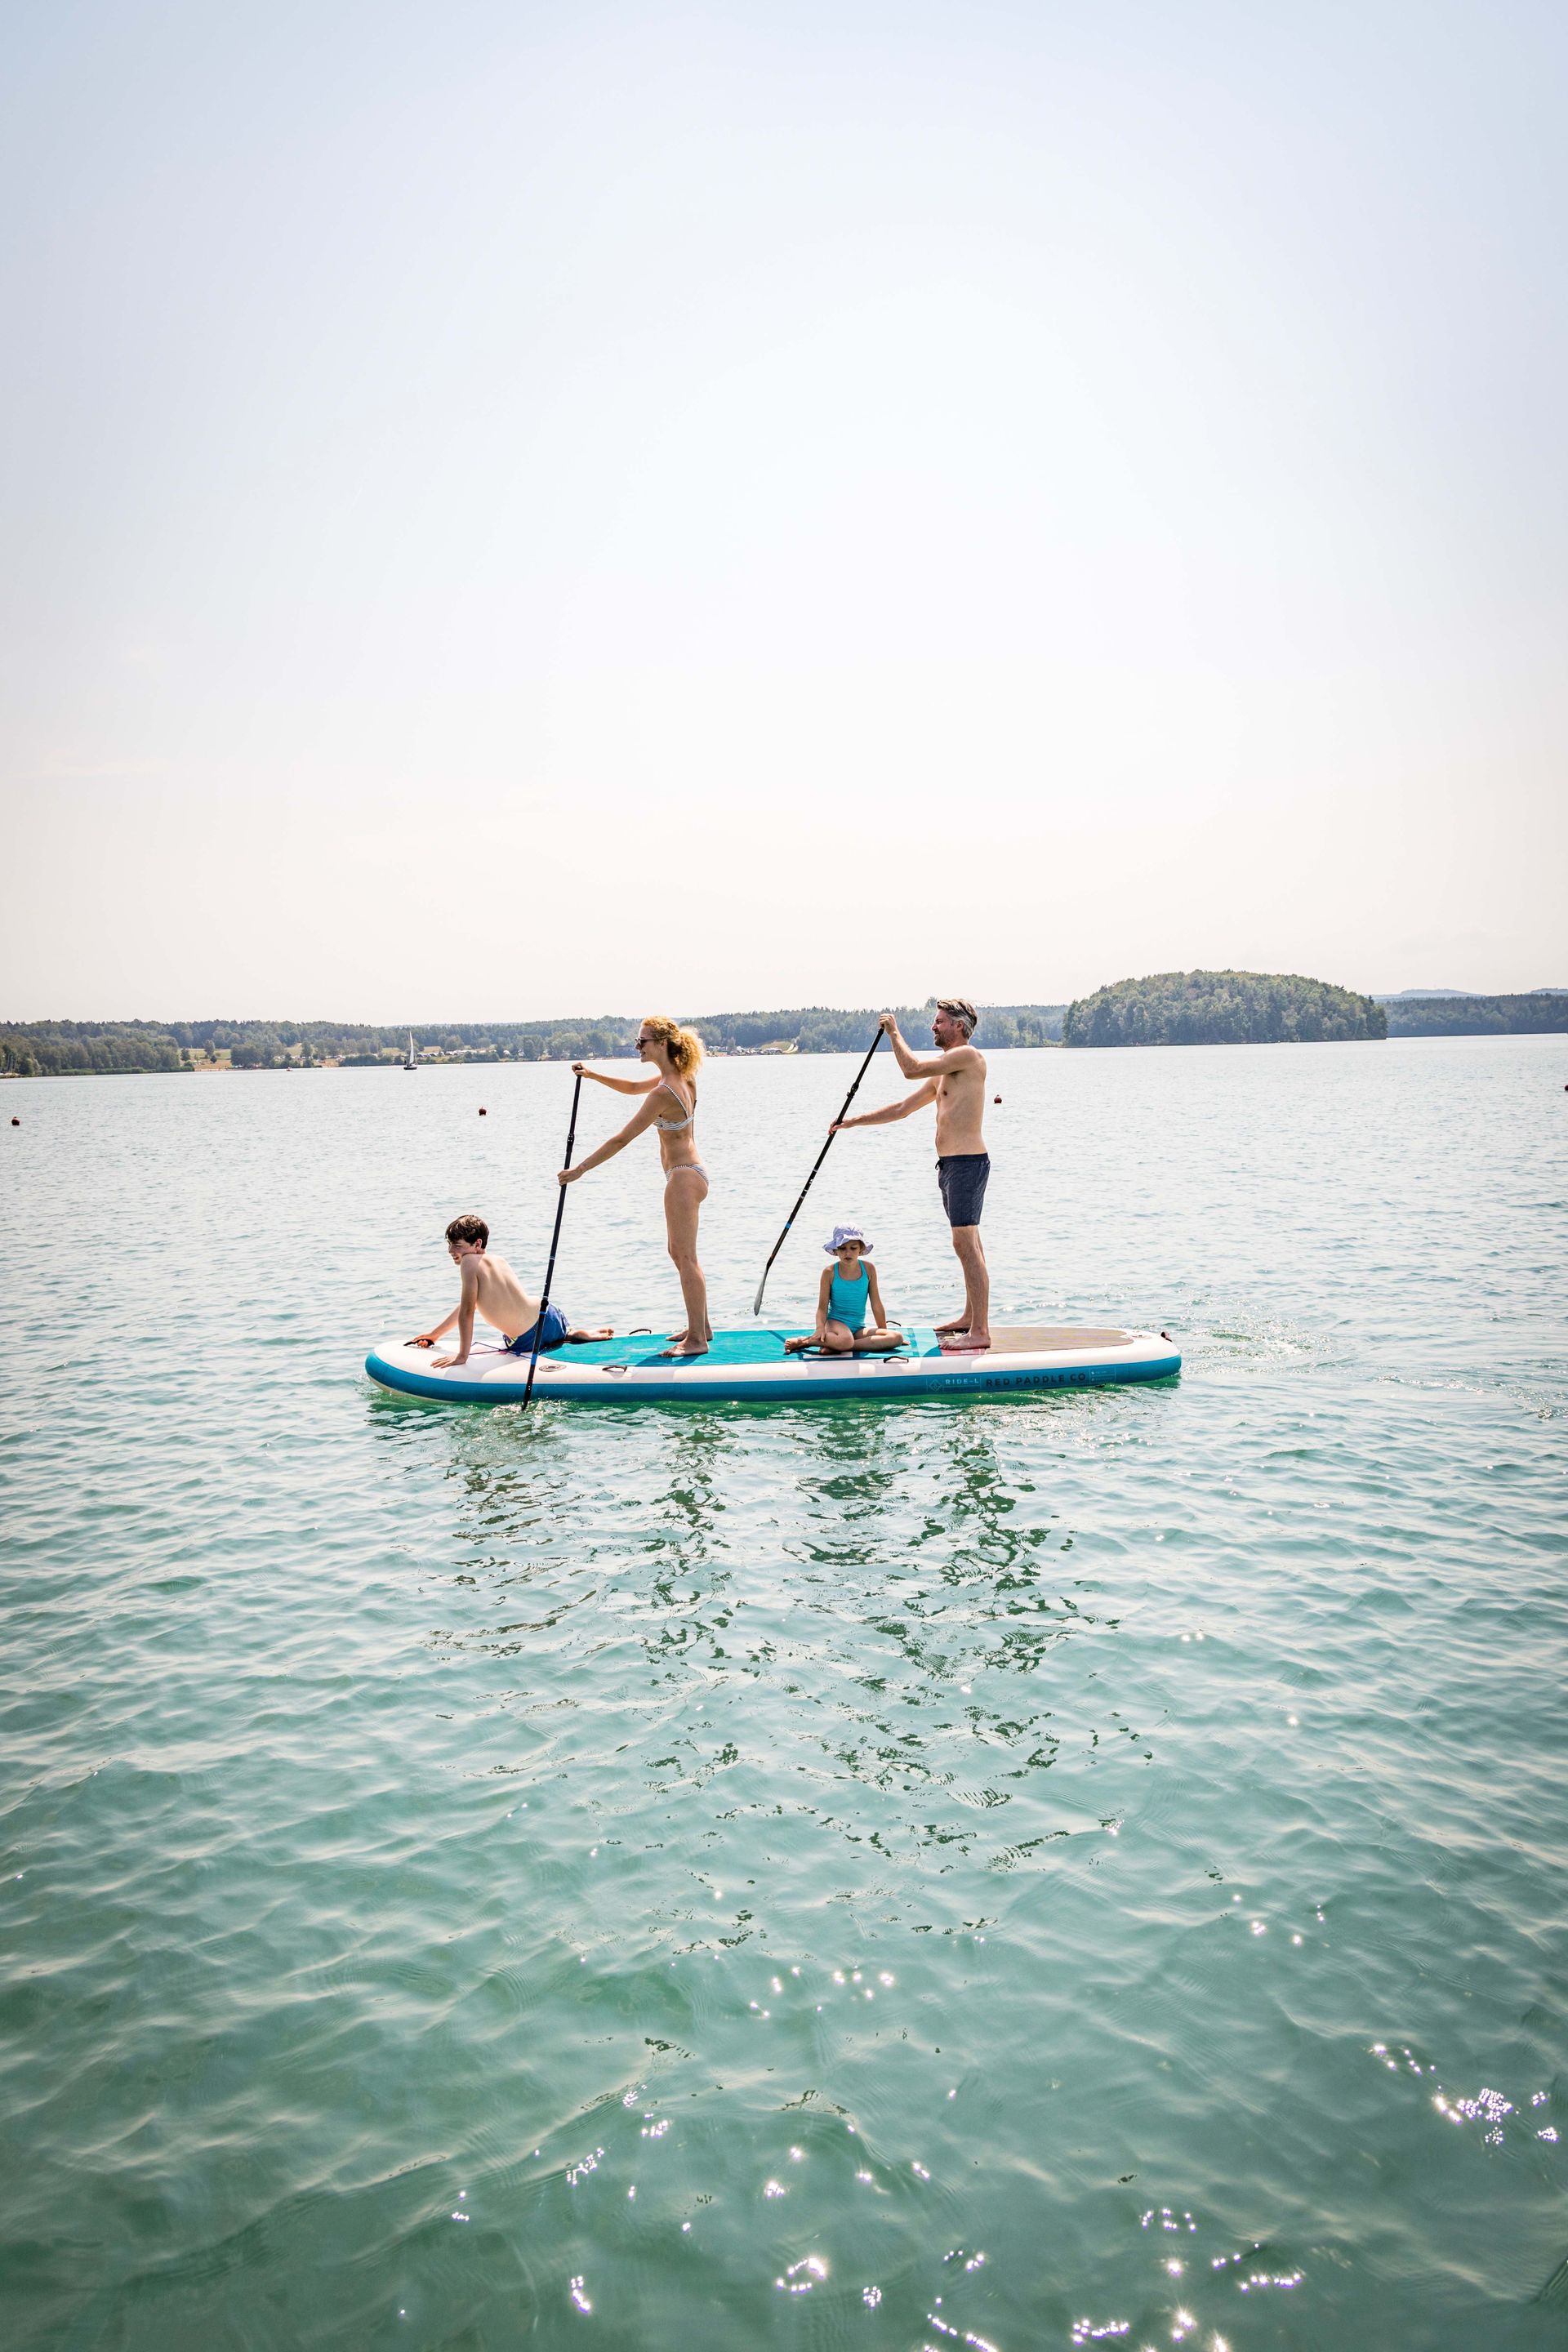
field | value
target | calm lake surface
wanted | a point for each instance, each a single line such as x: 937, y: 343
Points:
x: 1009, y: 1874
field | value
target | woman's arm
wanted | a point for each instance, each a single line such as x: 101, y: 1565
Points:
x: 617, y: 1086
x: 607, y: 1150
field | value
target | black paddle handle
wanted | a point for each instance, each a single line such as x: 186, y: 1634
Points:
x: 554, y: 1244
x: 811, y: 1178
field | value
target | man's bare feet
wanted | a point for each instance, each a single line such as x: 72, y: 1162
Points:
x: 954, y: 1323
x: 966, y: 1343
x: 577, y: 1338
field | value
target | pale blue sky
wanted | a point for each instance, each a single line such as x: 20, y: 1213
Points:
x: 512, y: 511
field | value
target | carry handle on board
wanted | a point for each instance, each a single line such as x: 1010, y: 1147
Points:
x: 757, y: 1301
x: 554, y: 1244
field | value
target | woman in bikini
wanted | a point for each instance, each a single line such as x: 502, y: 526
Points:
x: 668, y: 1106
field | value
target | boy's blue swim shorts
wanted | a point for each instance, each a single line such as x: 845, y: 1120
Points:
x: 556, y: 1327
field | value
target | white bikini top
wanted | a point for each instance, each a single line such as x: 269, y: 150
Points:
x: 673, y: 1126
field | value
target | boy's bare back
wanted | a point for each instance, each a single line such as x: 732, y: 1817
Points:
x: 499, y: 1297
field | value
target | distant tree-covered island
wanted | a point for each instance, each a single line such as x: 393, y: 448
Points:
x: 1222, y: 1008
x: 82, y: 1048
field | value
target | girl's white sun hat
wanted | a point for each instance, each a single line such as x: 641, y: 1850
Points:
x: 842, y: 1234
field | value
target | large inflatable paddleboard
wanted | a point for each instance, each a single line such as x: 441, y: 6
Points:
x: 752, y: 1367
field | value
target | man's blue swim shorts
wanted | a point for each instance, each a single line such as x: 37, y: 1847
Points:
x: 963, y: 1178
x: 556, y: 1327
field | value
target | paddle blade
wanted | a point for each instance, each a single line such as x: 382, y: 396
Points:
x: 757, y: 1301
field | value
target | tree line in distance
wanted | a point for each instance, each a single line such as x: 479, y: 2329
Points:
x: 1163, y: 1009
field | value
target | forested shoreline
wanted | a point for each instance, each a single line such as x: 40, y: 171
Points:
x: 1164, y: 1009
x: 1540, y: 1011
x: 86, y: 1048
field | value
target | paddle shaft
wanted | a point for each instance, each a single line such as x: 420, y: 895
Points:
x: 757, y: 1302
x: 554, y: 1244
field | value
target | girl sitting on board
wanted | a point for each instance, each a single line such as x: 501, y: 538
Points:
x: 848, y: 1289
x: 669, y: 1107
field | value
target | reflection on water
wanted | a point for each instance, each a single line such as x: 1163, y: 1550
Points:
x: 917, y: 1585
x: 1030, y: 1873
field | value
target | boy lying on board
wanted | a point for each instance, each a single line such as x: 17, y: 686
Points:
x: 492, y: 1290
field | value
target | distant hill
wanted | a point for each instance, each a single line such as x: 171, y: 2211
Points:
x: 83, y: 1048
x: 1538, y: 1011
x: 1222, y: 1008
x: 1453, y: 995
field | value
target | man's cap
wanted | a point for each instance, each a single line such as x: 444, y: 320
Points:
x: 962, y: 1007
x: 842, y: 1234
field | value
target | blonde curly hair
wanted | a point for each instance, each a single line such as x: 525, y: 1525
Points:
x: 684, y: 1046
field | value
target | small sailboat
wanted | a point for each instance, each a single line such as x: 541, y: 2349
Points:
x: 413, y: 1061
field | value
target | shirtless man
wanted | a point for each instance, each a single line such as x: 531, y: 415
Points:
x: 492, y: 1290
x: 953, y: 1077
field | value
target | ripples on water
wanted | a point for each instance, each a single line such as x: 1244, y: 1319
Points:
x: 1082, y: 1869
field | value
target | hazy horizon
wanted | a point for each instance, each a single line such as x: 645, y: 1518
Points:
x: 719, y: 508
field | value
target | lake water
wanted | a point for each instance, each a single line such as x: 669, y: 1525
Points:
x: 1013, y: 1875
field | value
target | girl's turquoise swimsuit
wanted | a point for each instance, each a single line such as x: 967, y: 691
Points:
x: 846, y: 1300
